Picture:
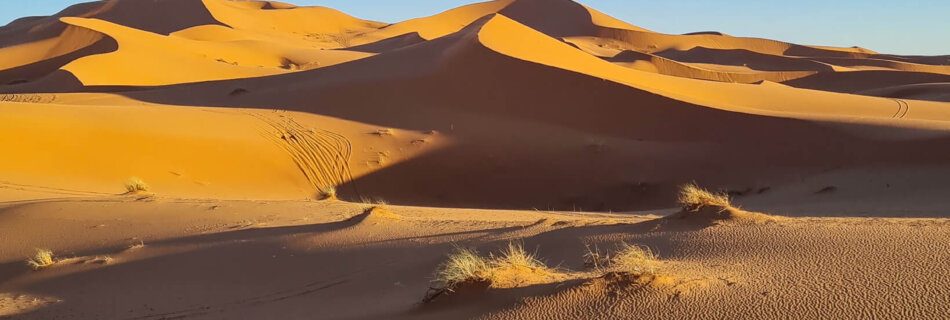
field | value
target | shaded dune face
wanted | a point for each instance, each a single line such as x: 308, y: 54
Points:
x: 90, y: 43
x: 510, y: 160
x: 557, y: 18
x: 160, y: 16
x: 45, y: 44
x: 494, y: 89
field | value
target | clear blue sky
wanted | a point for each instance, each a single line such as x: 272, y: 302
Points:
x: 888, y: 26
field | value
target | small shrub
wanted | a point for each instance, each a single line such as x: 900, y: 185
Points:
x: 632, y: 259
x: 135, y: 185
x: 628, y: 259
x: 329, y: 193
x: 514, y: 256
x: 466, y: 266
x: 385, y: 132
x: 594, y: 259
x: 463, y: 266
x: 101, y: 260
x: 692, y: 198
x: 42, y: 259
x: 512, y: 267
x: 374, y: 201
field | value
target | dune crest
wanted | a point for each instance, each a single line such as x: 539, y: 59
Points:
x: 508, y: 159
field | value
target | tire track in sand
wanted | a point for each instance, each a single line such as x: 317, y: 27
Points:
x: 323, y: 156
x: 902, y: 109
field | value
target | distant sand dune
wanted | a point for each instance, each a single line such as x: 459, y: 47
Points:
x: 255, y: 159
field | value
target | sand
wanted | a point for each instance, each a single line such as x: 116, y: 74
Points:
x: 213, y: 159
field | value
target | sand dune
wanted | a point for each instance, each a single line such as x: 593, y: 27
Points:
x: 922, y: 91
x: 214, y: 159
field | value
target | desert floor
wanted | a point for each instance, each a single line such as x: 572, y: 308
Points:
x: 258, y: 160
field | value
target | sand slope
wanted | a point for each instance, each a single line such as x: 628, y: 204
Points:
x: 334, y: 261
x: 303, y: 163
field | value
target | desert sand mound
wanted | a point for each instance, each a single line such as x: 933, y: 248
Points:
x: 250, y: 159
x: 529, y: 74
x: 921, y: 91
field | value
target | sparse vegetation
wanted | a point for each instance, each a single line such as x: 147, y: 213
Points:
x: 136, y: 185
x: 102, y: 260
x: 692, y: 198
x: 639, y: 260
x: 631, y: 259
x: 374, y: 201
x: 514, y: 256
x: 465, y: 266
x: 328, y: 193
x: 595, y: 259
x: 384, y: 132
x: 41, y: 259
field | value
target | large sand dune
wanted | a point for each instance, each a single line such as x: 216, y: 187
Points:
x: 267, y: 132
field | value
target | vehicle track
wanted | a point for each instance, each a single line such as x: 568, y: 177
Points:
x: 323, y: 156
x: 35, y: 188
x: 28, y: 98
x: 902, y: 109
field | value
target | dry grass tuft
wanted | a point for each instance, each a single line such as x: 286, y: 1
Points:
x: 41, y: 259
x: 378, y: 214
x: 329, y: 193
x: 514, y: 256
x: 101, y: 260
x: 692, y: 198
x: 595, y: 259
x: 639, y: 260
x: 136, y: 185
x: 463, y: 266
x: 511, y: 267
x: 374, y: 201
x: 628, y: 259
x: 385, y: 132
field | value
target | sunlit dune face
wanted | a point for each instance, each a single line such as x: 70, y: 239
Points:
x: 510, y: 159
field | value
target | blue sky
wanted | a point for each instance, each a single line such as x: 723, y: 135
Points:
x: 901, y: 27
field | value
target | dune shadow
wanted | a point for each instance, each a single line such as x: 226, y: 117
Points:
x: 863, y: 80
x: 36, y: 70
x: 742, y: 57
x: 476, y: 301
x: 389, y: 44
x: 259, y: 275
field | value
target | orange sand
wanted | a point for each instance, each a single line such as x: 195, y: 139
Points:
x: 553, y: 123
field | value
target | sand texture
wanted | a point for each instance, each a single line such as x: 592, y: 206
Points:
x: 215, y: 159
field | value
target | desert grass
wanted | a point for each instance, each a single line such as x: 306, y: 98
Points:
x: 385, y: 132
x: 514, y: 255
x: 101, y: 260
x: 136, y: 185
x: 463, y: 266
x: 41, y: 259
x: 633, y: 259
x: 596, y: 259
x: 511, y: 266
x: 328, y: 193
x: 627, y: 258
x: 379, y: 202
x: 692, y: 198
